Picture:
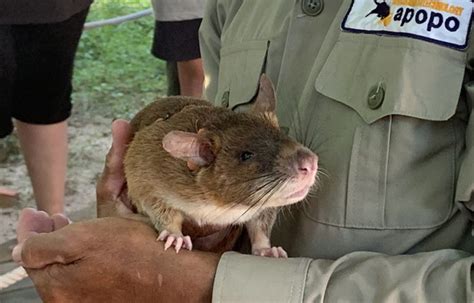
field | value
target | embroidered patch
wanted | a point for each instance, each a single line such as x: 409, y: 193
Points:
x: 444, y: 22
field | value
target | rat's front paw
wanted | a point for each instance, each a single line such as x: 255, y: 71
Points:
x: 178, y: 240
x: 275, y: 252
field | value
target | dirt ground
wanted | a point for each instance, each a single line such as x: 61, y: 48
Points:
x: 89, y: 141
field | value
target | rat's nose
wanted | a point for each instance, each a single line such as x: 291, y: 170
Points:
x: 307, y: 162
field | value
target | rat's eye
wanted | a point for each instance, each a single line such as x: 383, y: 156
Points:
x: 246, y: 155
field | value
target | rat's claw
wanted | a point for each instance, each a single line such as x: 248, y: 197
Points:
x: 178, y: 243
x: 177, y: 240
x: 169, y: 241
x: 163, y: 235
x: 187, y: 243
x: 282, y: 253
x: 274, y: 252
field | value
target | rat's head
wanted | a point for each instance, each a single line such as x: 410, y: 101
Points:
x: 244, y: 158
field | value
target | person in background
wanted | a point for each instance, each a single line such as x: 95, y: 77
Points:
x: 38, y: 42
x: 176, y: 41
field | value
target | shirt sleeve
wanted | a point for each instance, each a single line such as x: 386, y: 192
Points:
x: 440, y: 276
x: 178, y: 10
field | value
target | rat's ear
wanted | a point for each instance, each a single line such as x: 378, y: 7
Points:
x: 265, y: 101
x: 194, y: 148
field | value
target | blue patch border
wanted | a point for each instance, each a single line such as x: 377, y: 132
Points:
x: 450, y: 45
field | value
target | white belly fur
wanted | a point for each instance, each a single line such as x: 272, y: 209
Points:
x: 205, y: 212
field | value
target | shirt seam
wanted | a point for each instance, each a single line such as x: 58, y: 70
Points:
x: 305, y: 269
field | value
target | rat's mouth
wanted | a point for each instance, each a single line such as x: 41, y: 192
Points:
x: 294, y: 191
x: 299, y: 194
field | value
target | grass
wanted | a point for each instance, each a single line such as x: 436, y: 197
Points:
x: 115, y: 74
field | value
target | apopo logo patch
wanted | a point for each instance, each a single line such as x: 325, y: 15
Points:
x: 445, y: 22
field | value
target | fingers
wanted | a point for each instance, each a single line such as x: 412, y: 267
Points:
x: 113, y: 178
x: 32, y: 221
x: 40, y: 250
x: 121, y: 133
x: 59, y: 221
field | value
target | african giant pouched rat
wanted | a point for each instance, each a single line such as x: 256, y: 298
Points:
x: 191, y: 160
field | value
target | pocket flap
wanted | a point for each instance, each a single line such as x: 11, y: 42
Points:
x: 417, y: 79
x: 239, y: 72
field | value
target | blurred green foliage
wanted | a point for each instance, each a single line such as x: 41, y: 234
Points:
x: 115, y: 74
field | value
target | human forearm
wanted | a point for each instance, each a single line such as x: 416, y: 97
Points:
x: 114, y: 260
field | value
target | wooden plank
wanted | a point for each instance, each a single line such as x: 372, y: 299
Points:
x: 8, y: 198
x: 25, y: 295
x: 22, y: 291
x: 23, y: 284
x: 5, y: 191
x: 7, y: 267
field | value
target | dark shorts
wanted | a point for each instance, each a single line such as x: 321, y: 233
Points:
x: 36, y: 63
x: 176, y: 40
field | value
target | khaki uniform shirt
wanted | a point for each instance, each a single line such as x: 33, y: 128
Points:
x: 178, y: 10
x: 390, y: 117
x: 39, y: 11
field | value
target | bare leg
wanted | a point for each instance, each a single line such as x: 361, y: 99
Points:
x: 172, y: 78
x: 191, y: 77
x: 45, y: 150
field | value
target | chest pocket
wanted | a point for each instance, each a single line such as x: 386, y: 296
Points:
x: 239, y: 72
x: 404, y: 156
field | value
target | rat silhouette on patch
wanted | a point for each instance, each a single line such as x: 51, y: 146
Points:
x: 383, y: 12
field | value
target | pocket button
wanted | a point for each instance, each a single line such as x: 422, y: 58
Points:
x: 376, y: 97
x: 312, y: 7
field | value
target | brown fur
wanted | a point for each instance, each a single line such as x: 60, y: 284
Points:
x: 151, y: 177
x: 226, y: 189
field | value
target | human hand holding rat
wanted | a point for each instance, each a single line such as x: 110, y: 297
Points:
x: 114, y: 260
x: 108, y: 259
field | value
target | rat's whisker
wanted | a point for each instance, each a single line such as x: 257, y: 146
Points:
x: 269, y: 189
x: 322, y: 172
x: 239, y: 182
x: 266, y: 181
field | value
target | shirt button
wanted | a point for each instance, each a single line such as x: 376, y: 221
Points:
x: 225, y: 99
x: 312, y: 7
x: 376, y: 97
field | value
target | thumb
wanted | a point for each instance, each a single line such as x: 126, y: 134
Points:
x: 41, y: 250
x: 112, y: 180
